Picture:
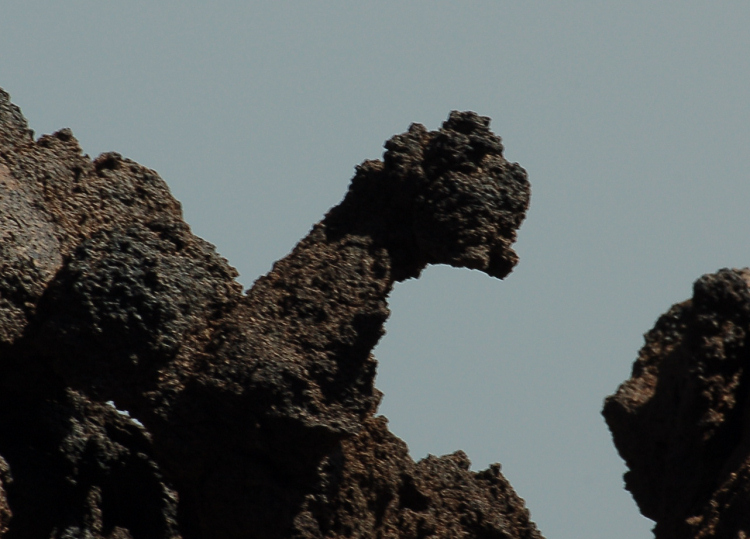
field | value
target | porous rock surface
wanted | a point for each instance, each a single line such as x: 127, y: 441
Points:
x: 682, y: 421
x: 251, y: 414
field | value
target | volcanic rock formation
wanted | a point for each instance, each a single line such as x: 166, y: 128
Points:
x: 682, y: 421
x: 253, y: 415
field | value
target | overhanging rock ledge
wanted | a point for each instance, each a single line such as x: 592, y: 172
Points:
x: 256, y: 413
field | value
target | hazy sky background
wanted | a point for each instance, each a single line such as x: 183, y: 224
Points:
x: 631, y: 118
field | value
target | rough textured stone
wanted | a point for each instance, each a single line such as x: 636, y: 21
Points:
x: 251, y: 415
x: 682, y: 421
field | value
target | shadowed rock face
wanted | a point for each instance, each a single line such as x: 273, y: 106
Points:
x: 682, y: 421
x: 255, y: 412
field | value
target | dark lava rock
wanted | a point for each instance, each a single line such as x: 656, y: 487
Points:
x: 248, y: 415
x: 682, y: 421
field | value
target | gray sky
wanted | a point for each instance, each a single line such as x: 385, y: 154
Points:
x: 631, y: 118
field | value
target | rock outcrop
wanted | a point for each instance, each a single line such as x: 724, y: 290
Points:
x: 682, y: 421
x: 250, y: 415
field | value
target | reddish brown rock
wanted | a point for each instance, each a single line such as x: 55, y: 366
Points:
x: 382, y: 491
x: 255, y: 412
x: 682, y: 421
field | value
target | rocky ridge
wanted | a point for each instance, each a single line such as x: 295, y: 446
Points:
x: 254, y: 414
x: 249, y: 414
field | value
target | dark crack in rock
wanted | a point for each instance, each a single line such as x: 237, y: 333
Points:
x: 249, y: 415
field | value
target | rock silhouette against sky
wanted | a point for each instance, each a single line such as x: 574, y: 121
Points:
x: 253, y: 415
x: 144, y: 394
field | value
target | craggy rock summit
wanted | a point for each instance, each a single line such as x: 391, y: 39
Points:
x: 682, y: 421
x: 251, y: 415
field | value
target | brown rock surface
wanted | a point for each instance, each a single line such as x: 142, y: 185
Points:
x: 255, y: 412
x: 682, y: 421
